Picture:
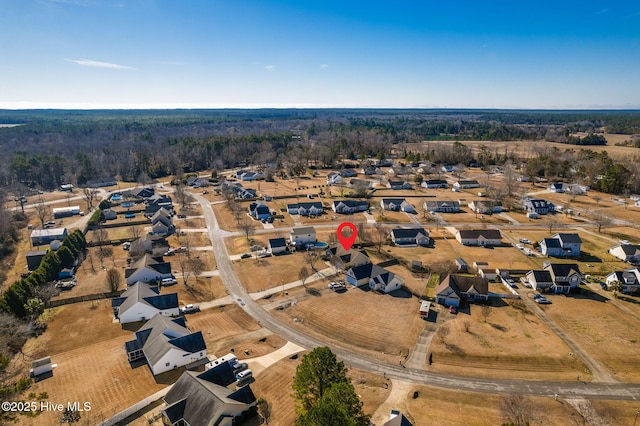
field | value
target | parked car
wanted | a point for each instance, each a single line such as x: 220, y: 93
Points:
x: 169, y: 281
x: 240, y: 366
x: 537, y: 296
x: 543, y: 301
x: 190, y: 309
x: 452, y: 309
x: 245, y: 256
x: 520, y: 246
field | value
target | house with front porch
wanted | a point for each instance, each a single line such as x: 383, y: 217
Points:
x: 396, y: 205
x: 537, y: 205
x: 410, y: 237
x: 442, y: 206
x: 312, y: 208
x: 435, y: 184
x: 566, y: 276
x: 349, y: 206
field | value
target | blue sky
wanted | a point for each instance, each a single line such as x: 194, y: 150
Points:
x: 300, y: 53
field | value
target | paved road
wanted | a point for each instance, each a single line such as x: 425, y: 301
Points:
x: 563, y: 389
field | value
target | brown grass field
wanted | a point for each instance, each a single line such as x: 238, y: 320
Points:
x: 513, y: 343
x: 354, y: 317
x: 610, y: 335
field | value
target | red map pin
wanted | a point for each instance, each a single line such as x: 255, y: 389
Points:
x: 347, y: 242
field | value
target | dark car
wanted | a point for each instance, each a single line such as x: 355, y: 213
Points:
x: 245, y: 256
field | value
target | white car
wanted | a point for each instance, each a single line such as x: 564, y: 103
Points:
x: 520, y: 246
x: 169, y: 281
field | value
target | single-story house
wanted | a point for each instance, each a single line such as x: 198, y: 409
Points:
x: 454, y: 288
x: 302, y: 235
x: 396, y: 204
x: 361, y: 184
x: 630, y: 279
x: 479, y: 237
x: 102, y: 182
x: 259, y: 211
x: 110, y: 214
x: 398, y: 184
x: 34, y: 258
x: 199, y: 399
x: 166, y: 344
x: 148, y: 269
x: 442, y: 206
x: 348, y: 173
x: 410, y: 237
x: 539, y: 279
x: 160, y: 199
x: 626, y: 252
x: 566, y: 276
x: 384, y: 280
x: 277, y: 245
x: 40, y: 237
x: 142, y: 301
x: 138, y: 193
x: 435, y: 183
x: 537, y: 205
x: 371, y: 170
x: 61, y: 212
x: 345, y: 259
x: 349, y: 206
x: 312, y: 208
x: 558, y: 187
x: 485, y: 206
x: 467, y: 184
x: 150, y: 243
x: 360, y: 275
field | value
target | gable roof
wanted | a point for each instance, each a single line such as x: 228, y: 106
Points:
x: 200, y: 401
x: 303, y: 230
x: 148, y: 295
x: 541, y: 275
x: 568, y: 238
x: 395, y: 201
x: 489, y: 234
x: 628, y: 249
x: 441, y: 204
x: 562, y: 269
x: 464, y: 284
x: 160, y: 334
x: 277, y: 242
x: 148, y: 261
x: 551, y: 242
x: 409, y: 232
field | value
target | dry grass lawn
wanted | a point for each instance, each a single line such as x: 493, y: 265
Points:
x: 354, y: 317
x: 610, y: 335
x: 513, y: 343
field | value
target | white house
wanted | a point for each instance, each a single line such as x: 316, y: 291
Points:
x: 467, y: 184
x: 434, y: 183
x: 626, y: 252
x: 302, y: 236
x: 539, y: 279
x: 479, y: 237
x: 41, y: 237
x: 396, y: 204
x: 384, y: 280
x: 166, y: 344
x: 442, y: 206
x: 348, y: 206
x: 148, y: 269
x: 313, y: 208
x: 141, y: 302
x: 630, y: 279
x: 454, y: 288
x: 334, y: 178
x: 565, y: 276
x: 277, y: 245
x: 410, y: 237
x: 561, y: 244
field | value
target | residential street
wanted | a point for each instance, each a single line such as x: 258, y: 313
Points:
x: 563, y: 389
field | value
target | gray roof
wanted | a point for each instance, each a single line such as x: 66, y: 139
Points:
x: 440, y: 204
x: 51, y: 232
x: 148, y: 295
x: 408, y: 232
x: 148, y: 261
x: 160, y: 334
x: 303, y: 230
x: 568, y: 238
x: 562, y: 269
x: 491, y: 234
x: 628, y: 249
x: 201, y: 402
x: 463, y: 284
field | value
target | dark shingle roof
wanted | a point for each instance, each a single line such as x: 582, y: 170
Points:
x: 562, y: 269
x: 277, y: 242
x: 408, y: 232
x: 569, y: 238
x: 552, y: 243
x: 490, y: 234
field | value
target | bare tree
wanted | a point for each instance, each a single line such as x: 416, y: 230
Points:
x: 105, y: 253
x: 185, y: 240
x: 551, y: 221
x: 303, y: 275
x: 42, y: 211
x: 601, y: 220
x: 310, y: 258
x: 114, y: 279
x: 246, y: 227
x: 362, y: 233
x: 101, y: 235
x: 135, y: 232
x: 182, y: 196
x: 89, y: 195
x: 517, y: 410
x: 379, y: 235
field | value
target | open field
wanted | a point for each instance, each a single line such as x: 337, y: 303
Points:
x: 512, y: 343
x: 607, y: 333
x: 92, y: 364
x: 354, y: 316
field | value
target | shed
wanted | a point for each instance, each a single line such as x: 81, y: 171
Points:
x: 41, y: 366
x: 462, y: 265
x: 424, y: 309
x: 34, y: 258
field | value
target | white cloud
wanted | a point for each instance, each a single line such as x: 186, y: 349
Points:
x: 98, y: 64
x: 269, y: 67
x: 323, y: 66
x: 602, y: 11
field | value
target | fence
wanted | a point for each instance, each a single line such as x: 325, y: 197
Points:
x: 128, y: 412
x: 85, y: 298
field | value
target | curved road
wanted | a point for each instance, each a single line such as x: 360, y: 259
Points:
x: 240, y: 296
